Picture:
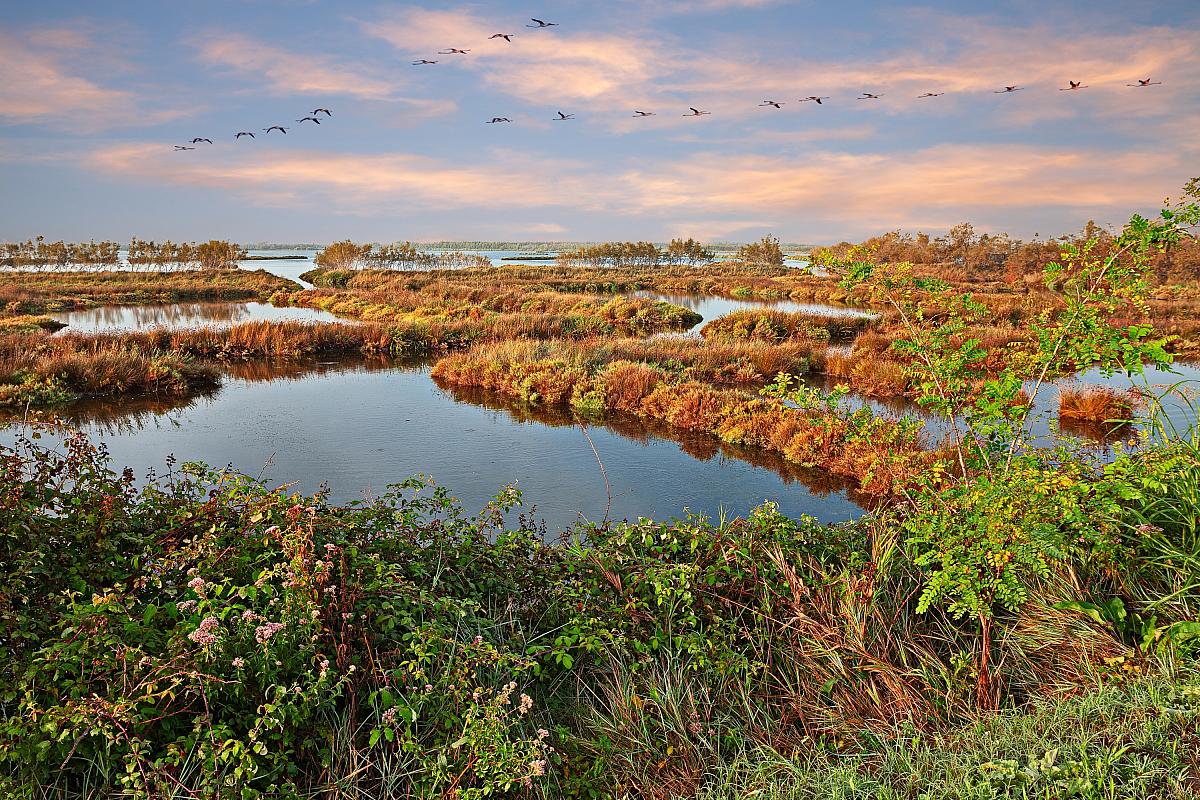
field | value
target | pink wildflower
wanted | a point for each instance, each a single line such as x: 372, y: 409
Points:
x: 196, y: 584
x: 389, y: 717
x: 238, y: 662
x: 263, y: 633
x: 537, y: 767
x: 526, y: 704
x: 204, y: 635
x: 186, y: 607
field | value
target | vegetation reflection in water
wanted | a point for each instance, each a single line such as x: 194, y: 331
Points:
x: 362, y: 424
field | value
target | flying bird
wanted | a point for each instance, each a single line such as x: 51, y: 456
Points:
x: 423, y: 61
x: 179, y: 147
x: 697, y: 113
x: 1146, y: 82
x: 279, y: 128
x: 505, y: 36
x: 199, y: 139
x: 813, y: 98
x: 869, y: 96
x: 309, y: 119
x: 562, y: 117
x: 452, y: 50
x: 494, y: 120
x: 541, y: 24
x: 643, y: 113
x: 1008, y: 90
x: 766, y: 103
x: 324, y: 111
x: 930, y: 94
x: 1074, y: 86
x: 240, y: 134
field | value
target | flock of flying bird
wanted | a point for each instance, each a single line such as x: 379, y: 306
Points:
x: 1073, y: 86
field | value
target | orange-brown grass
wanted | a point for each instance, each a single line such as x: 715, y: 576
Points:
x: 33, y: 292
x: 1094, y: 404
x: 880, y: 455
x: 44, y: 369
x: 28, y: 323
x: 500, y: 312
x: 778, y: 326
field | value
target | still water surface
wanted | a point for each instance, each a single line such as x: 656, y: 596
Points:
x: 184, y: 315
x: 361, y: 426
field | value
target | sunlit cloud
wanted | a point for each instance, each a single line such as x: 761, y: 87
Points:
x: 287, y: 72
x: 41, y: 86
x: 827, y: 193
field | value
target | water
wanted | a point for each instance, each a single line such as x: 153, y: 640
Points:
x: 711, y: 307
x: 360, y: 426
x: 183, y: 315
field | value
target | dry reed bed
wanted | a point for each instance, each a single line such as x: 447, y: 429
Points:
x: 496, y: 310
x: 880, y: 455
x: 36, y: 292
x: 44, y: 370
x: 1095, y: 404
x: 778, y: 326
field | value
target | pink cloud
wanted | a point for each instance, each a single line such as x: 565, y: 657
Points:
x: 293, y: 73
x: 40, y: 87
x: 827, y: 194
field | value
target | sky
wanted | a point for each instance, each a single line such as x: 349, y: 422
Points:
x: 95, y: 96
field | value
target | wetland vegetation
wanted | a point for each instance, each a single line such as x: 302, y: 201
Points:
x: 1015, y: 617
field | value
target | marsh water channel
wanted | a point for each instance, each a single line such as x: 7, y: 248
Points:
x: 357, y: 425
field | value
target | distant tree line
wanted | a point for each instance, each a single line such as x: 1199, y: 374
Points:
x: 401, y: 256
x: 966, y: 255
x: 636, y: 254
x: 41, y: 255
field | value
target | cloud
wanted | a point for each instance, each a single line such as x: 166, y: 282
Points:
x: 40, y: 86
x: 827, y: 194
x: 576, y: 67
x: 286, y: 72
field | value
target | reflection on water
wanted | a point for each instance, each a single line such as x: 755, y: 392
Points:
x: 711, y: 307
x: 184, y: 315
x: 363, y: 425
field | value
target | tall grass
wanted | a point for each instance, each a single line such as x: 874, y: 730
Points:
x: 33, y: 292
x: 882, y: 456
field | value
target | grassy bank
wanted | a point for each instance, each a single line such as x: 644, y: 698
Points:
x: 41, y: 370
x: 39, y: 292
x: 881, y: 454
x: 204, y: 635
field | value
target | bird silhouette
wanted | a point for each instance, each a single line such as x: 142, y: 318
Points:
x: 930, y: 94
x: 199, y: 139
x: 505, y: 36
x: 240, y: 134
x: 1008, y: 90
x: 324, y: 111
x: 309, y: 119
x: 423, y: 61
x: 869, y: 96
x: 279, y: 128
x: 494, y: 120
x: 562, y: 117
x: 814, y: 98
x: 1074, y: 86
x: 452, y: 50
x: 1146, y: 82
x: 541, y: 24
x: 643, y: 113
x: 179, y: 147
x: 697, y: 113
x: 766, y: 103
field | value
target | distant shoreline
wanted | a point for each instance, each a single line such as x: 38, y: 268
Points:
x: 275, y: 258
